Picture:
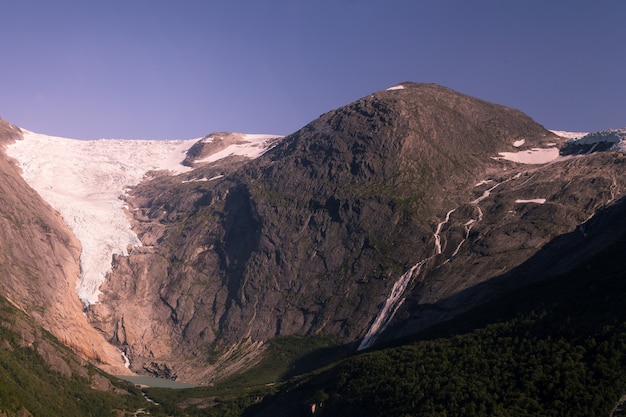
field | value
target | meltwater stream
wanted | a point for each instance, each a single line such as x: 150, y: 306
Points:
x: 392, y: 303
x: 397, y: 295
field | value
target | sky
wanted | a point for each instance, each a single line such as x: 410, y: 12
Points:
x: 181, y: 69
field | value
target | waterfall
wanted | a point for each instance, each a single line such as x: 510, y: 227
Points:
x: 396, y: 297
x: 392, y: 303
x: 438, y: 232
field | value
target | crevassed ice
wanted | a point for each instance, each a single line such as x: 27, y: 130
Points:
x: 84, y: 180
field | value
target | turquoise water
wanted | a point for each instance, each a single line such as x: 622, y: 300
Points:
x: 154, y: 382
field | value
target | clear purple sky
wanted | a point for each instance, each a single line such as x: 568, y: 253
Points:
x: 157, y: 69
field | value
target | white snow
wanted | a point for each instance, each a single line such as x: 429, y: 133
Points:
x: 203, y: 179
x: 532, y: 156
x: 568, y: 135
x: 534, y: 200
x: 396, y: 87
x: 84, y: 180
x: 519, y: 143
x: 483, y: 182
x: 251, y: 146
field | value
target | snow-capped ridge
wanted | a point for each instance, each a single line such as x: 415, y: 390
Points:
x: 569, y: 135
x: 609, y: 136
x: 605, y: 140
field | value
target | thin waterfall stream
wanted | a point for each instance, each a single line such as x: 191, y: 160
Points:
x: 397, y: 295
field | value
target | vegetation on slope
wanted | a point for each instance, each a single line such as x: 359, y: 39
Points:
x: 41, y: 377
x: 521, y: 367
x: 556, y: 348
x: 285, y: 358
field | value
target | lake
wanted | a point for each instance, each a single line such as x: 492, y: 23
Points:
x: 154, y: 382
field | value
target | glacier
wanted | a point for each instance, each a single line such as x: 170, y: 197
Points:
x: 85, y: 180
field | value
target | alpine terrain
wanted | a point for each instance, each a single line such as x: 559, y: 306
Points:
x: 413, y: 228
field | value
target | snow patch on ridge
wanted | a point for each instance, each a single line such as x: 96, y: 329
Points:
x: 531, y: 156
x: 569, y: 135
x: 84, y: 180
x: 251, y: 146
x: 203, y: 179
x: 534, y: 200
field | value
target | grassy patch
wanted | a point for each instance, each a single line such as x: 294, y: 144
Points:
x: 285, y: 358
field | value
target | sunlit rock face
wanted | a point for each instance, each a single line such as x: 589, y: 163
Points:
x: 40, y: 263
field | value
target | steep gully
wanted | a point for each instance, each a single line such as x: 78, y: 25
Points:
x: 398, y: 291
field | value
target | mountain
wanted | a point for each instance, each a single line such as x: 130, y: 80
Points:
x: 527, y: 211
x: 400, y: 212
x: 45, y: 338
x: 311, y: 238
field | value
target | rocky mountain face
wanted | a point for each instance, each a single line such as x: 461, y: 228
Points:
x: 380, y: 218
x: 533, y: 225
x: 39, y: 264
x: 315, y: 236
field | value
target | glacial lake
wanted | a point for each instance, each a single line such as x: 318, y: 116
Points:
x: 154, y: 382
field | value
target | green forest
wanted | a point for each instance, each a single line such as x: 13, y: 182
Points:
x: 554, y: 348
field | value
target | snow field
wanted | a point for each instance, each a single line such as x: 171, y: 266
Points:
x: 532, y: 156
